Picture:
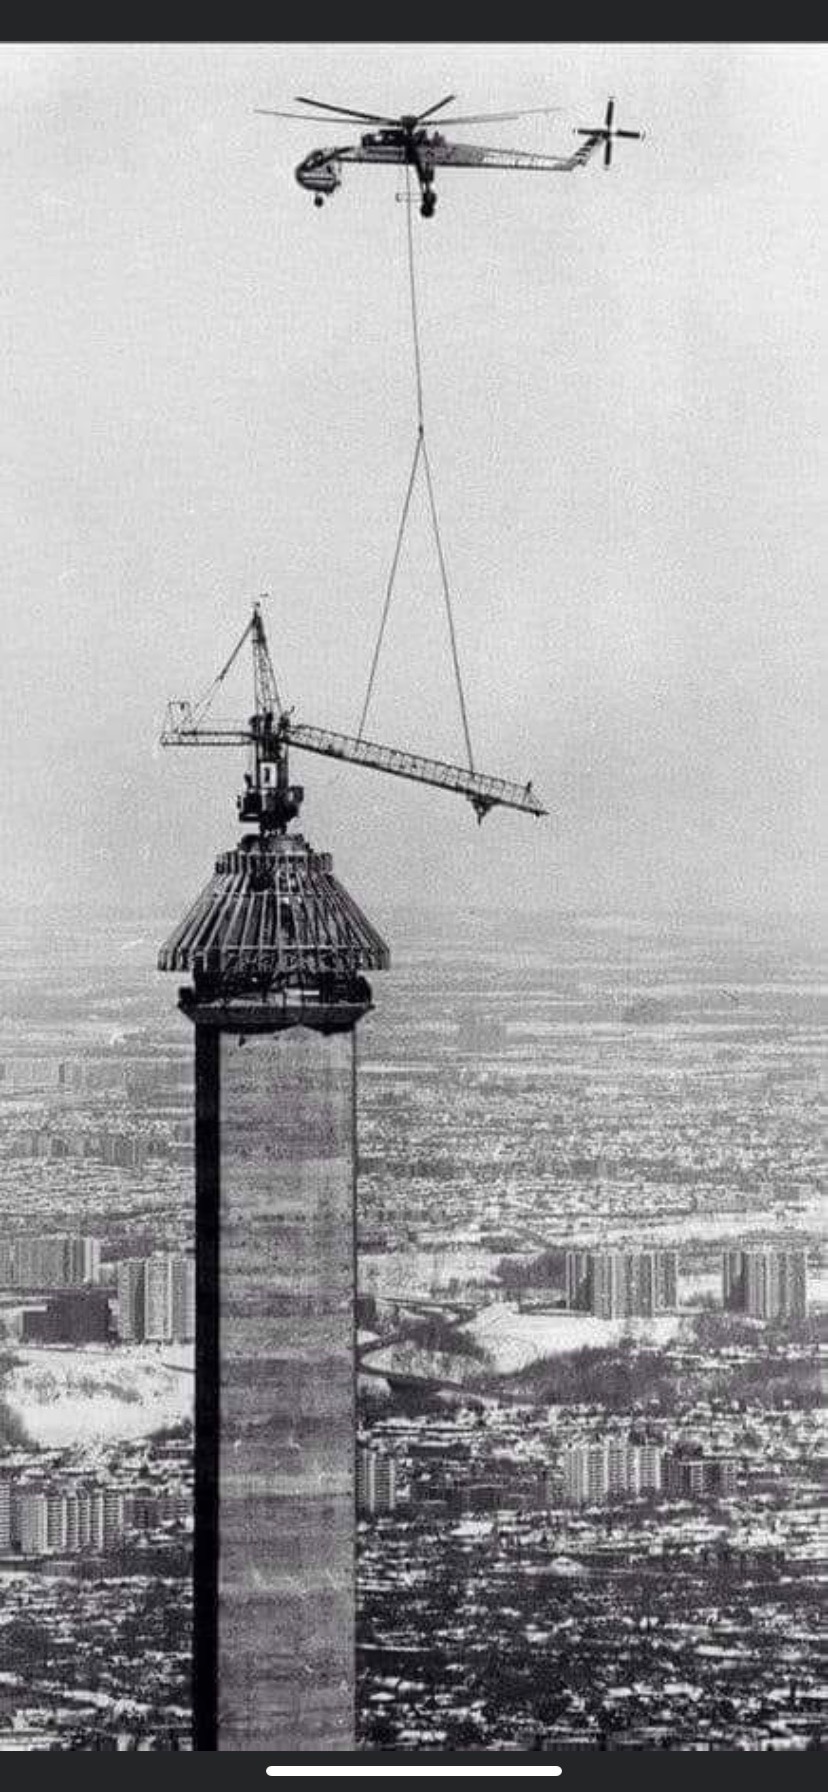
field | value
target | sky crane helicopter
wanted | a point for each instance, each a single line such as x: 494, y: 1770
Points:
x: 410, y: 141
x: 269, y: 799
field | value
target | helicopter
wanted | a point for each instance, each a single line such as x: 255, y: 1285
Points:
x: 411, y: 141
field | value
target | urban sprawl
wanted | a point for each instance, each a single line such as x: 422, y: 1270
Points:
x: 591, y: 1335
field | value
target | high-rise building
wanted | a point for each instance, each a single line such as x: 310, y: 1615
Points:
x: 113, y: 1516
x: 130, y: 1286
x: 30, y: 1522
x: 585, y: 1473
x: 694, y: 1475
x: 156, y: 1299
x: 617, y: 1477
x: 141, y: 1510
x: 5, y: 1515
x: 376, y: 1482
x: 608, y: 1286
x: 622, y: 1284
x: 277, y: 950
x: 50, y: 1518
x: 169, y: 1299
x: 72, y: 1505
x: 734, y: 1281
x: 84, y: 1260
x: 659, y: 1281
x: 579, y: 1281
x: 71, y: 1075
x: 766, y: 1282
x: 175, y: 1506
x: 608, y: 1468
x: 97, y: 1519
x: 57, y: 1528
x: 183, y: 1300
x: 83, y: 1518
x: 52, y: 1261
x: 650, y: 1459
x: 31, y: 1073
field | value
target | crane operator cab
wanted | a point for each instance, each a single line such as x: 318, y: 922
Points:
x: 268, y: 799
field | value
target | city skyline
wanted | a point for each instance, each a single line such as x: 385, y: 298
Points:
x: 464, y: 1390
x: 509, y: 1116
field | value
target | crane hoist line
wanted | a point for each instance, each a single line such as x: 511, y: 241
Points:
x: 420, y: 461
x: 271, y: 731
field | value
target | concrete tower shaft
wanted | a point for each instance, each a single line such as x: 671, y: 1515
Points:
x: 277, y: 950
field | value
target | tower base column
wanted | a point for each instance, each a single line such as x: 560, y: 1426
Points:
x: 276, y: 1419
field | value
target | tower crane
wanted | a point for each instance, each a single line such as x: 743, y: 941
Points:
x: 269, y: 799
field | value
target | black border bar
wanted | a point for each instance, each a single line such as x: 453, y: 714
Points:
x: 207, y: 1416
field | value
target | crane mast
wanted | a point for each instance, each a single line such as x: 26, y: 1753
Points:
x: 269, y: 798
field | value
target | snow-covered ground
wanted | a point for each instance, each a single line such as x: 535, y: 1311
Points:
x: 65, y: 1396
x: 512, y: 1339
x: 408, y: 1358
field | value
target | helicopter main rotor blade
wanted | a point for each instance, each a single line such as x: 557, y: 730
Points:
x: 497, y: 117
x: 436, y: 108
x: 346, y: 111
x: 269, y: 112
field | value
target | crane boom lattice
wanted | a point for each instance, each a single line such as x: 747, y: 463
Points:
x: 182, y: 730
x: 271, y: 732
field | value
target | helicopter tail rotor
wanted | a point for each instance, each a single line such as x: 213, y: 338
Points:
x: 607, y: 132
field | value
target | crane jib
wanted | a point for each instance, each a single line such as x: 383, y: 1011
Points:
x: 483, y: 791
x: 475, y: 785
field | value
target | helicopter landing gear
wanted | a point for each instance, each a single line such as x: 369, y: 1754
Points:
x: 428, y: 204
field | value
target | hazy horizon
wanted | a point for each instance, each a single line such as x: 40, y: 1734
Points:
x: 158, y: 913
x: 208, y: 395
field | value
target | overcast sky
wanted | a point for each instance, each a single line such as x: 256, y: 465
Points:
x: 207, y: 394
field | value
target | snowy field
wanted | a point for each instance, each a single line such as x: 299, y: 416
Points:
x: 68, y: 1396
x: 512, y: 1339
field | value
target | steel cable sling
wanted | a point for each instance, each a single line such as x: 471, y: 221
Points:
x: 420, y: 455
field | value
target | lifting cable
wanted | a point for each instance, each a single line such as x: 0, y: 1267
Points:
x: 420, y: 454
x: 202, y: 704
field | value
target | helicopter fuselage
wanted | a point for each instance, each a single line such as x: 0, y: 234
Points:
x: 409, y: 142
x: 395, y: 146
